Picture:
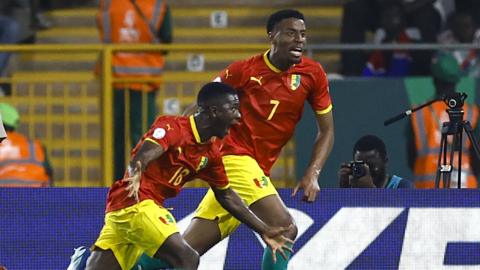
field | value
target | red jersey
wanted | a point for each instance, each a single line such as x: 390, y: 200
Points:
x: 185, y: 159
x: 271, y: 104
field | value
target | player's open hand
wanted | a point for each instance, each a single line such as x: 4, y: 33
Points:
x: 310, y: 188
x: 277, y: 242
x: 133, y: 180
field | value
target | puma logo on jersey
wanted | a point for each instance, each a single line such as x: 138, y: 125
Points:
x: 259, y: 80
x: 169, y: 127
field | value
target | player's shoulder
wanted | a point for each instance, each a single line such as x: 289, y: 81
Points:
x: 171, y: 121
x: 247, y: 62
x: 310, y: 65
x: 239, y: 71
x: 311, y: 68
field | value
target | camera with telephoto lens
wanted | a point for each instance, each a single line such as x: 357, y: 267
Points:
x: 358, y: 170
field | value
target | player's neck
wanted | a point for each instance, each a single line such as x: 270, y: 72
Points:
x: 203, y: 128
x: 276, y: 61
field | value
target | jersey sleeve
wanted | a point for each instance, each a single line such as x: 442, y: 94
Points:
x: 233, y: 75
x: 164, y: 132
x: 319, y: 97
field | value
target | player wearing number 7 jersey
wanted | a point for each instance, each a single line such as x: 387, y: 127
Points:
x: 174, y: 151
x: 272, y: 88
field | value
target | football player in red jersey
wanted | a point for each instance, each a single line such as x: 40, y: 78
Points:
x: 174, y: 151
x: 272, y: 88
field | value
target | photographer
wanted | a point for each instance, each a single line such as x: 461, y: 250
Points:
x: 369, y: 167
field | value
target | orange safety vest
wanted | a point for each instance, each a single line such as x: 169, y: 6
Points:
x: 427, y: 125
x: 21, y: 162
x: 120, y: 22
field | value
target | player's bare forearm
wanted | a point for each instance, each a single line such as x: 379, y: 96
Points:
x: 322, y: 147
x: 273, y: 236
x: 321, y: 150
x: 234, y: 205
x: 148, y: 151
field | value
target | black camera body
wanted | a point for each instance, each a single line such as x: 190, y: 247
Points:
x: 455, y: 100
x: 358, y: 169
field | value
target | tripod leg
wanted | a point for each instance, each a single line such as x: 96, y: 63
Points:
x: 448, y: 176
x: 442, y: 156
x: 469, y: 130
x: 458, y: 148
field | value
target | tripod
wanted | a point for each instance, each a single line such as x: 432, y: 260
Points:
x: 454, y: 128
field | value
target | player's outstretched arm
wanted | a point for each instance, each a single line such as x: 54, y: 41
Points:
x: 323, y: 146
x: 273, y: 236
x: 148, y: 151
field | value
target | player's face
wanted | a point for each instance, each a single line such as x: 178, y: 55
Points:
x: 228, y: 114
x: 288, y: 40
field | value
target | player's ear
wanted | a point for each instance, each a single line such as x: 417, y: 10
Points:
x: 270, y: 36
x: 213, y: 111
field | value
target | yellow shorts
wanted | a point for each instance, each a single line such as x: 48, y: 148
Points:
x: 248, y: 180
x: 131, y: 231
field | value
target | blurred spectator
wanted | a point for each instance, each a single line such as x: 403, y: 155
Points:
x: 369, y: 167
x: 471, y: 7
x: 462, y: 29
x: 37, y: 19
x: 424, y: 131
x: 9, y: 34
x: 360, y: 17
x: 13, y: 29
x: 23, y: 162
x: 130, y: 21
x: 393, y: 29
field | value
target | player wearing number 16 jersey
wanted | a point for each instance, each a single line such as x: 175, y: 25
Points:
x: 175, y: 150
x: 272, y: 88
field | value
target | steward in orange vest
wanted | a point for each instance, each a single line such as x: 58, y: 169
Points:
x: 22, y: 161
x: 426, y: 125
x: 134, y: 22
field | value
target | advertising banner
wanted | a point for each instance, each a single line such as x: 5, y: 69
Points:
x: 343, y: 229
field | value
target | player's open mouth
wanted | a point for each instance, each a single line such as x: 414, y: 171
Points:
x: 297, y: 52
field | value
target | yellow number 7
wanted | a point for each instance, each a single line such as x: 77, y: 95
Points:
x: 275, y: 105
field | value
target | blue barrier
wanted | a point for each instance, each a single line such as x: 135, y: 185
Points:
x: 353, y: 229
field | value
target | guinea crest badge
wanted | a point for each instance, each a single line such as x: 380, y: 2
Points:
x: 203, y: 163
x: 295, y: 81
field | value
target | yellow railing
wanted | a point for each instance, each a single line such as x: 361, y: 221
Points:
x: 72, y: 115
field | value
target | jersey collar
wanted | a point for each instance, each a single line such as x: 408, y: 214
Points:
x: 195, y: 130
x: 269, y: 64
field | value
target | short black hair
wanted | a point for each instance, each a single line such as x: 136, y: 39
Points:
x: 370, y: 142
x: 282, y: 14
x: 212, y: 92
